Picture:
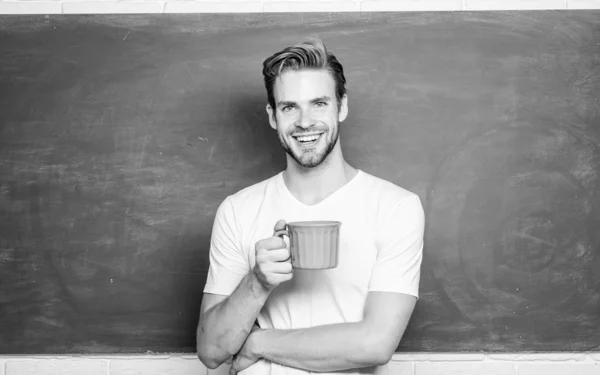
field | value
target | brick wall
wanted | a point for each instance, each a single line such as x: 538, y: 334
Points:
x: 402, y: 364
x: 239, y: 6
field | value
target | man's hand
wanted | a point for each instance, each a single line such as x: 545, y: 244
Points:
x: 247, y: 356
x: 273, y: 262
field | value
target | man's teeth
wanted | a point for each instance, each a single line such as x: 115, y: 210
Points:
x: 308, y: 138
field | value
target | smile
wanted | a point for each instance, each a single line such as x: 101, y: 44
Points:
x: 308, y: 139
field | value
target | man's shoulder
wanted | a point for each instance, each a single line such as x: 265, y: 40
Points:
x: 389, y: 204
x: 253, y: 193
x: 385, y: 191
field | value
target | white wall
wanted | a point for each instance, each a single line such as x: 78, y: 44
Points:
x: 186, y: 6
x: 402, y: 364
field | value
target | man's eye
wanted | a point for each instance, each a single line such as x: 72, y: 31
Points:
x: 287, y: 108
x: 320, y: 104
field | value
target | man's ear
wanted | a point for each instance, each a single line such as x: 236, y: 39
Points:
x: 343, y: 111
x: 271, y: 117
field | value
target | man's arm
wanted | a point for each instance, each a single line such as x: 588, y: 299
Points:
x: 226, y: 321
x: 343, y: 346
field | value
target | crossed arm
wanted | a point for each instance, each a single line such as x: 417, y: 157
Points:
x: 226, y: 321
x: 334, y: 347
x: 343, y: 346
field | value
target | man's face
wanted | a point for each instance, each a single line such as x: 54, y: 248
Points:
x: 306, y: 115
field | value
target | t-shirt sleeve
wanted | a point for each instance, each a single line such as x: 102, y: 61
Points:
x: 228, y: 265
x: 400, y: 249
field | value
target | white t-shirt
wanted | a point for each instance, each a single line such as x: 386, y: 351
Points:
x: 381, y: 243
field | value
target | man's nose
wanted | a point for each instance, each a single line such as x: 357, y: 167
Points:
x: 305, y: 119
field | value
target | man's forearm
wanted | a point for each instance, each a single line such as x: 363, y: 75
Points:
x: 224, y: 327
x: 323, y: 348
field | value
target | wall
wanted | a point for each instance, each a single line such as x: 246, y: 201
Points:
x: 402, y: 364
x: 405, y: 363
x: 185, y: 6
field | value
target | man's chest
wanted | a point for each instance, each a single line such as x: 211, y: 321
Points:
x: 357, y: 247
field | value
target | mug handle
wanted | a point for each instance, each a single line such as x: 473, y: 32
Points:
x: 281, y: 233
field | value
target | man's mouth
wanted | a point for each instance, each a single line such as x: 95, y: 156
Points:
x: 308, y: 139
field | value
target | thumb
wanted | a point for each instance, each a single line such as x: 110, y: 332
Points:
x: 280, y: 225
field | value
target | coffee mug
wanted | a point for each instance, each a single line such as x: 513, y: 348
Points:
x: 314, y: 245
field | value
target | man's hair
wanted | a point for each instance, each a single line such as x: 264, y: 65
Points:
x: 310, y: 54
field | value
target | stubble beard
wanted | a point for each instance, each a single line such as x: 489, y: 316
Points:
x: 310, y: 158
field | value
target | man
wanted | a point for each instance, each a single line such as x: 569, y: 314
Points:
x: 347, y: 318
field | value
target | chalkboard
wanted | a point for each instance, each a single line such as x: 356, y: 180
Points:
x: 121, y: 135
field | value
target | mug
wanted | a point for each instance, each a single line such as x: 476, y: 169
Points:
x: 314, y: 245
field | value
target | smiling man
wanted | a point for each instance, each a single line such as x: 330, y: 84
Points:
x: 268, y: 318
x: 305, y: 139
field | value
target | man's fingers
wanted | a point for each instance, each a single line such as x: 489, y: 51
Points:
x: 278, y: 278
x: 279, y: 255
x: 233, y: 368
x: 271, y: 243
x: 281, y: 267
x: 280, y: 225
x: 277, y: 261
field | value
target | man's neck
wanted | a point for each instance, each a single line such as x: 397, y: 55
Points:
x: 312, y: 185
